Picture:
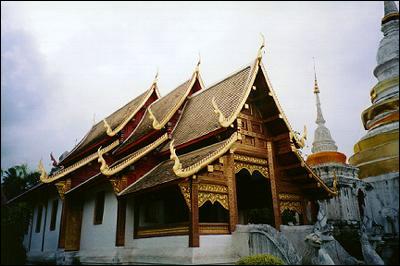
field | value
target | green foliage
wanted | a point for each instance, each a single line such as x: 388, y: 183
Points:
x: 17, y: 179
x: 260, y: 259
x: 15, y: 217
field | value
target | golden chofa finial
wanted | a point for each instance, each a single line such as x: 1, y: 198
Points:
x: 155, y: 77
x: 198, y: 64
x: 260, y: 50
x: 42, y: 171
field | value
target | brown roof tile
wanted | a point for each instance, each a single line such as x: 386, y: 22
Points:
x: 98, y: 131
x: 161, y: 109
x: 199, y: 118
x: 163, y: 172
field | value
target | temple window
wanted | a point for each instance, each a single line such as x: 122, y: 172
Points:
x: 39, y: 218
x: 54, y: 209
x: 213, y: 213
x: 99, y: 208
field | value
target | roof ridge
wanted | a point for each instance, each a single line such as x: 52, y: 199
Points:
x: 230, y: 75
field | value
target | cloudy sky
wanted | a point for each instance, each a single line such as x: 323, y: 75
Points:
x: 62, y: 64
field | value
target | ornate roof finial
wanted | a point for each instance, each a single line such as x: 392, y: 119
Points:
x: 155, y: 78
x: 198, y: 64
x: 259, y: 55
x: 316, y: 88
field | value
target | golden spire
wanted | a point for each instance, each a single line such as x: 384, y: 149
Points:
x: 316, y: 88
x: 259, y: 55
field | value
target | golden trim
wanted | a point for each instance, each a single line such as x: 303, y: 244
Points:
x: 293, y: 135
x: 391, y: 104
x: 207, y: 192
x: 251, y: 168
x: 213, y: 197
x: 63, y: 187
x: 382, y: 86
x: 249, y: 159
x: 110, y: 132
x: 173, y: 230
x: 213, y: 188
x: 108, y: 171
x: 118, y: 184
x: 317, y: 178
x: 44, y: 178
x: 160, y: 124
x: 193, y: 169
x: 291, y: 205
x: 289, y: 197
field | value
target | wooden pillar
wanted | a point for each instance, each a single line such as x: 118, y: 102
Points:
x: 121, y: 216
x: 73, y: 224
x: 194, y: 238
x: 229, y: 172
x: 304, y: 208
x: 64, y: 213
x: 273, y: 174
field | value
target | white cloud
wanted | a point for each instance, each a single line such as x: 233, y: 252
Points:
x: 98, y: 56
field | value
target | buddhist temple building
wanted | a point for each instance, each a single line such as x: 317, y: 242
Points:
x: 168, y: 179
x: 377, y: 153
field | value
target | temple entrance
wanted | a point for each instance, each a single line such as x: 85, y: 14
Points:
x: 254, y: 198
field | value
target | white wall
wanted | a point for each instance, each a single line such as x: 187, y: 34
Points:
x: 100, y: 236
x: 50, y: 237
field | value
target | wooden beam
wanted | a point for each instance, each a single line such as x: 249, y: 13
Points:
x: 229, y: 171
x: 290, y: 166
x: 194, y: 238
x: 121, y: 217
x: 281, y: 136
x: 272, y: 118
x: 274, y: 186
x: 309, y: 186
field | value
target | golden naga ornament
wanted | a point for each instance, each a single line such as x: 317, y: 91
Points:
x: 193, y: 169
x: 300, y: 141
x: 222, y: 120
x: 109, y: 130
x: 156, y: 125
x: 259, y: 54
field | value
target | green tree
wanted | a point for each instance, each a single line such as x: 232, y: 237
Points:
x: 15, y: 217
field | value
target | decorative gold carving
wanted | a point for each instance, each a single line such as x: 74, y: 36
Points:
x: 259, y: 53
x: 118, y: 183
x: 251, y: 168
x: 207, y: 192
x: 300, y: 141
x: 213, y: 197
x: 211, y: 229
x: 289, y: 197
x: 162, y: 231
x: 213, y: 188
x: 250, y: 159
x: 108, y: 171
x: 193, y: 169
x: 210, y: 168
x: 290, y: 205
x: 184, y: 187
x: 44, y: 178
x: 63, y: 187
